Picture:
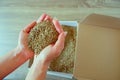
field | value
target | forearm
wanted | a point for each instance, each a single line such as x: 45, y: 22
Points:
x: 11, y: 61
x: 38, y: 70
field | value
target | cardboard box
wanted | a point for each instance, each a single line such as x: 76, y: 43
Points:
x: 97, y: 55
x: 98, y: 48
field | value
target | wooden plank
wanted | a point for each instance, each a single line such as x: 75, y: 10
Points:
x: 39, y: 3
x: 28, y: 13
x: 99, y: 3
x: 61, y: 3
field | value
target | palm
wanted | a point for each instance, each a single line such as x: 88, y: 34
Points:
x: 22, y: 42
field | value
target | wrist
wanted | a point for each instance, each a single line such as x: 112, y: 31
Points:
x: 21, y: 52
x: 38, y: 70
x: 41, y: 60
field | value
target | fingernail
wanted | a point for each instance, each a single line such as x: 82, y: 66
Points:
x: 46, y: 18
x: 55, y: 18
x: 38, y: 19
x: 65, y: 33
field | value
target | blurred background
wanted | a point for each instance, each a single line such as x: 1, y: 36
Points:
x: 16, y: 14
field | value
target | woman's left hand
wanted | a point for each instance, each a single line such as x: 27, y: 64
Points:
x: 23, y: 43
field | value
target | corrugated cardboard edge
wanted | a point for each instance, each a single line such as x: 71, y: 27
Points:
x: 102, y: 20
x: 96, y: 20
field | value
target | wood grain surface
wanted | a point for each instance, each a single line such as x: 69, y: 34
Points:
x: 16, y: 14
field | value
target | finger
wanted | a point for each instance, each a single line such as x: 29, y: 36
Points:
x: 30, y: 26
x: 41, y: 18
x: 57, y: 25
x: 59, y: 45
x: 48, y: 18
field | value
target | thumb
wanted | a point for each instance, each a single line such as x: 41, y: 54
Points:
x: 59, y: 45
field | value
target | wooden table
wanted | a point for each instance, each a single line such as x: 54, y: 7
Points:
x: 16, y: 14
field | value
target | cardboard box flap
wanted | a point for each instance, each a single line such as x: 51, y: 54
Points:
x: 102, y: 20
x: 98, y: 49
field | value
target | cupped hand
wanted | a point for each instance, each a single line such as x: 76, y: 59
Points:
x: 53, y: 50
x: 23, y: 42
x: 23, y: 38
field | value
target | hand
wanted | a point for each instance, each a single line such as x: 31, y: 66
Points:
x: 22, y: 41
x: 52, y: 51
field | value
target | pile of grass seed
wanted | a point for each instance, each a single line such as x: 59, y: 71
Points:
x: 42, y: 35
